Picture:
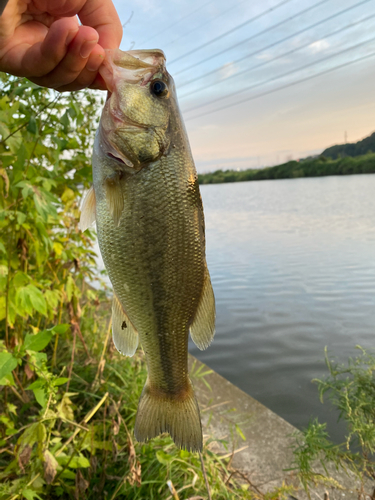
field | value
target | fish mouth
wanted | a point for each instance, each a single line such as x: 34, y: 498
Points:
x: 133, y: 66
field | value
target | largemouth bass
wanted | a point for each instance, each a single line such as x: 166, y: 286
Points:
x: 148, y: 210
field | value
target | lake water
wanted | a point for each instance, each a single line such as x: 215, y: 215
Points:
x: 292, y: 264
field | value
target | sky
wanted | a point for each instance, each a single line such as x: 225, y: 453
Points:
x: 263, y: 82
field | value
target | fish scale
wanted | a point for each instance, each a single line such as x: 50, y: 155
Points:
x: 150, y: 227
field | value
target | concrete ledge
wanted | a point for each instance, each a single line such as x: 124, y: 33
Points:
x: 267, y: 451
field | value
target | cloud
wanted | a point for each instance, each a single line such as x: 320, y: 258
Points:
x: 264, y: 56
x: 227, y: 70
x: 319, y: 46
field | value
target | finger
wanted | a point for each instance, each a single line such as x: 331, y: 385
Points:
x: 99, y: 83
x: 75, y: 61
x: 102, y: 15
x: 87, y: 77
x: 35, y: 50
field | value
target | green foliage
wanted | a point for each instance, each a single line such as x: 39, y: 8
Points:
x: 365, y: 146
x: 68, y: 401
x: 316, y: 167
x: 351, y: 389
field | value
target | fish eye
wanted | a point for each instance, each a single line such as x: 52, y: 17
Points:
x: 159, y: 88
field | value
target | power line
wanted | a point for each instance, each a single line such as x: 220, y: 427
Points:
x: 274, y: 59
x: 289, y: 84
x: 233, y: 6
x: 314, y: 25
x: 239, y: 26
x: 176, y: 22
x: 251, y: 37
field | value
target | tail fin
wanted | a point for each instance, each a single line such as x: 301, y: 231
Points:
x: 178, y: 415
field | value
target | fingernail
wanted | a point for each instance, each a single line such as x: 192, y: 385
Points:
x: 71, y: 35
x: 94, y: 62
x: 87, y: 48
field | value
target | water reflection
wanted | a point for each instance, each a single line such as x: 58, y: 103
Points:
x: 293, y: 269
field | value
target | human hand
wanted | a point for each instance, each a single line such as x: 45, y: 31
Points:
x: 43, y: 41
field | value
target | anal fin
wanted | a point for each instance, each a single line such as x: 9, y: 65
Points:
x: 88, y: 210
x: 202, y: 329
x: 125, y: 336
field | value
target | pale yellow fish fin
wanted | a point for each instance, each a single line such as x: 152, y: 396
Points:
x: 173, y: 413
x: 114, y: 197
x: 125, y: 336
x: 88, y: 210
x: 202, y: 329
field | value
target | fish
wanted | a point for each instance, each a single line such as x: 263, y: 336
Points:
x: 148, y: 210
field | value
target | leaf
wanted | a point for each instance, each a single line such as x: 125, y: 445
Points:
x: 68, y: 474
x: 68, y: 195
x: 60, y: 381
x: 53, y: 298
x: 10, y: 432
x: 12, y: 408
x: 75, y: 462
x: 7, y: 363
x: 240, y: 433
x: 37, y: 342
x: 65, y: 122
x: 7, y: 380
x: 61, y: 329
x: 50, y: 466
x: 30, y: 494
x: 24, y: 457
x: 21, y: 217
x: 30, y: 298
x: 65, y: 408
x: 81, y: 484
x: 37, y: 299
x: 184, y: 454
x: 58, y: 248
x: 36, y: 433
x: 23, y: 302
x: 32, y: 126
x: 36, y: 385
x: 20, y: 279
x: 40, y: 396
x: 163, y: 457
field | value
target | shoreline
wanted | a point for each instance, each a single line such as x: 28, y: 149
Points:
x: 264, y: 458
x: 317, y: 167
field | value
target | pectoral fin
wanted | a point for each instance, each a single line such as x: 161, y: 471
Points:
x: 88, y: 210
x: 125, y: 336
x: 202, y: 329
x: 114, y: 197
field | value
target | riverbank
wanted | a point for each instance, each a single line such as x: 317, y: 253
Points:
x: 259, y: 442
x: 316, y: 167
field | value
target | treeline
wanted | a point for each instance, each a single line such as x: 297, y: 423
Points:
x: 317, y: 167
x: 365, y: 146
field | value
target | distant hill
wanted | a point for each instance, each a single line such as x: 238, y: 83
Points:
x: 367, y: 145
x: 315, y: 167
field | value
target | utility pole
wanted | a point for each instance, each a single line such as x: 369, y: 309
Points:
x: 346, y: 137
